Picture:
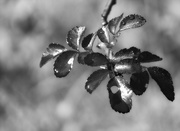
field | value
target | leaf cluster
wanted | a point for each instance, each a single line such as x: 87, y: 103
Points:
x: 111, y: 64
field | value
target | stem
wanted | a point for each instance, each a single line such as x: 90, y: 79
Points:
x: 107, y: 10
x: 104, y: 16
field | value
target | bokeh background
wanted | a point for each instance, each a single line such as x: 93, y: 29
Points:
x: 33, y: 99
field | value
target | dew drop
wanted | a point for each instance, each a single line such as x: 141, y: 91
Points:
x: 56, y: 71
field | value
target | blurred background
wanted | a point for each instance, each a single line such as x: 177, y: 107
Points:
x: 33, y: 99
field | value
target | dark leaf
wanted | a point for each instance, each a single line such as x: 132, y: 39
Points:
x: 103, y: 35
x: 132, y: 21
x: 51, y: 52
x: 148, y: 57
x: 125, y: 53
x: 88, y: 41
x: 74, y: 37
x: 131, y: 52
x: 112, y: 82
x: 81, y: 57
x: 95, y: 79
x: 64, y: 63
x: 95, y: 59
x: 164, y: 80
x: 113, y: 23
x: 117, y: 103
x: 139, y: 82
x: 121, y: 100
x: 128, y: 66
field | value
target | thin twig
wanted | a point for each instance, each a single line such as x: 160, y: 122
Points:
x: 107, y: 10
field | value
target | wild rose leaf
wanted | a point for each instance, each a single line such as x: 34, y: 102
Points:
x: 131, y: 52
x: 148, y: 57
x: 164, y: 80
x: 121, y: 100
x: 124, y: 87
x: 95, y: 79
x: 113, y: 23
x: 88, y: 41
x: 139, y: 82
x: 128, y: 66
x: 132, y: 21
x: 81, y: 57
x: 95, y: 59
x: 103, y: 35
x: 74, y: 37
x: 51, y: 52
x: 125, y: 53
x: 64, y: 63
x: 116, y: 102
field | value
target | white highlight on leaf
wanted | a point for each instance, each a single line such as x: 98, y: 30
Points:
x: 126, y: 93
x: 56, y: 52
x: 80, y: 31
x: 88, y: 87
x: 103, y: 67
x: 122, y: 67
x: 104, y: 28
x: 70, y: 61
x: 53, y: 52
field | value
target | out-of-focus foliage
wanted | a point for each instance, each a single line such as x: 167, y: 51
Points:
x: 32, y: 99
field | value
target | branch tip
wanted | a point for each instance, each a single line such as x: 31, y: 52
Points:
x: 107, y: 10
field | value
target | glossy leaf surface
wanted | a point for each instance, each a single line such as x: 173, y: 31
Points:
x: 64, y: 63
x: 95, y: 59
x: 125, y: 53
x: 87, y: 41
x: 74, y: 37
x: 95, y: 79
x: 148, y: 57
x: 81, y: 57
x: 103, y: 35
x: 51, y: 52
x: 132, y: 21
x: 113, y: 23
x: 121, y: 100
x: 139, y: 82
x: 128, y: 66
x: 164, y: 80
